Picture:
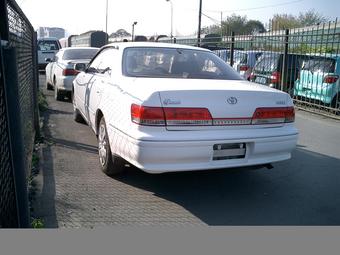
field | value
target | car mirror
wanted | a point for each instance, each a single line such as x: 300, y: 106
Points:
x: 48, y: 60
x: 80, y: 67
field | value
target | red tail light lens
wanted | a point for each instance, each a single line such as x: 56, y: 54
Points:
x: 173, y: 116
x: 275, y: 77
x: 273, y: 115
x: 158, y: 116
x: 330, y: 78
x: 244, y: 68
x: 69, y: 72
x: 187, y: 116
x: 152, y: 116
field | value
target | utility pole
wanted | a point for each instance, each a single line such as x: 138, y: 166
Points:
x: 107, y: 5
x: 221, y: 24
x: 199, y: 25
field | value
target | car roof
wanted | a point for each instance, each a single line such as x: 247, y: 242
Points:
x: 48, y: 39
x: 123, y: 45
x: 79, y: 48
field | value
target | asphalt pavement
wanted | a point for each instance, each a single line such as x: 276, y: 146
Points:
x: 73, y: 192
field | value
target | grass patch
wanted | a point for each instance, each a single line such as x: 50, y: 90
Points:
x: 37, y: 223
x: 42, y: 102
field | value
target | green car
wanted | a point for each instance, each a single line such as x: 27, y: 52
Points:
x: 319, y: 80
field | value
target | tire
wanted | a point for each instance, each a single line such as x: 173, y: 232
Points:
x: 110, y: 164
x: 76, y: 114
x: 48, y: 86
x: 57, y: 94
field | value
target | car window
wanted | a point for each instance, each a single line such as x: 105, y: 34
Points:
x: 161, y: 62
x: 267, y: 62
x: 325, y: 65
x: 79, y: 54
x: 48, y: 45
x: 240, y: 57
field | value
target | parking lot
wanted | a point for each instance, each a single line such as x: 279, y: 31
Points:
x: 73, y: 192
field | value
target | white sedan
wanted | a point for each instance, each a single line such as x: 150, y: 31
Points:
x: 60, y: 70
x: 168, y: 107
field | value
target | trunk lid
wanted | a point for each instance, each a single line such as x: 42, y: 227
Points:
x: 225, y: 99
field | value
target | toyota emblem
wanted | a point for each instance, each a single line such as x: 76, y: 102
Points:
x: 232, y: 100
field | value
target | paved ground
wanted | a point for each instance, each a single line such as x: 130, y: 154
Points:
x: 73, y: 192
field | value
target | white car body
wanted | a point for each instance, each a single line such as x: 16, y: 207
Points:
x: 55, y: 77
x: 169, y: 148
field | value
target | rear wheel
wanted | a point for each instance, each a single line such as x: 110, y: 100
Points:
x: 110, y: 164
x: 57, y: 94
x: 48, y: 86
x: 76, y: 114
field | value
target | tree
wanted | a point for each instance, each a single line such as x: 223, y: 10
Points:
x: 254, y: 26
x: 311, y: 17
x: 288, y: 21
x: 120, y: 33
x: 235, y: 23
x: 284, y: 21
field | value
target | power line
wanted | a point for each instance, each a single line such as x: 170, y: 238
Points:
x: 212, y: 19
x: 256, y: 8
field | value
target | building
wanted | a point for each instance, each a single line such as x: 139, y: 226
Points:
x: 56, y: 32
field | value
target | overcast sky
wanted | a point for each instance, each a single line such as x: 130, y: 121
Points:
x: 153, y: 16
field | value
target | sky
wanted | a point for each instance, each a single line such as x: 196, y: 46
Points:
x: 154, y: 16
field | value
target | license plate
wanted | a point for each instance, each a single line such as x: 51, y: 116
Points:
x: 261, y: 80
x: 229, y: 151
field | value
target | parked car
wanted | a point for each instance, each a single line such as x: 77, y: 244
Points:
x: 169, y: 107
x: 244, y: 62
x: 268, y: 70
x: 47, y: 48
x: 319, y: 80
x: 60, y: 71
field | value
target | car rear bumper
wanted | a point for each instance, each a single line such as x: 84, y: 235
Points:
x: 168, y: 156
x: 65, y: 83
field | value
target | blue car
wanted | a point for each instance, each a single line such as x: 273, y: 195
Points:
x: 319, y: 80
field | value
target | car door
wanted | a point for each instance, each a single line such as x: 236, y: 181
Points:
x: 96, y: 88
x: 53, y: 65
x: 83, y: 83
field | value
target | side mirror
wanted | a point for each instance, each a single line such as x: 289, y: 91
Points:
x: 49, y: 60
x: 80, y: 67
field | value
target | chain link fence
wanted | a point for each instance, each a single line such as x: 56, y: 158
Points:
x: 19, y: 120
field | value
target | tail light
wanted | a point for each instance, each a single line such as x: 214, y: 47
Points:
x: 151, y: 116
x: 69, y: 72
x: 175, y: 116
x: 161, y: 116
x: 244, y: 67
x: 273, y: 115
x: 187, y: 116
x: 275, y: 77
x: 330, y: 78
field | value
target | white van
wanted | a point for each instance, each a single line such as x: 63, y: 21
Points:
x: 47, y: 48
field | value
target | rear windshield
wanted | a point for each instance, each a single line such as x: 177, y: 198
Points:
x: 325, y: 65
x: 157, y: 62
x: 79, y: 54
x: 267, y: 62
x: 48, y: 45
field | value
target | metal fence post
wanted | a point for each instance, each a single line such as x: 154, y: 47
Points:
x: 35, y: 86
x: 232, y: 48
x: 285, y: 58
